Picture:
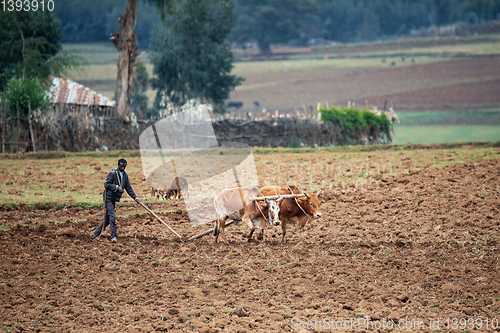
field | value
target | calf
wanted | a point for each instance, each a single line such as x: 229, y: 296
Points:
x: 238, y: 204
x: 294, y: 211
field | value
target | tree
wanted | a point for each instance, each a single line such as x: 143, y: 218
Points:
x: 23, y: 96
x: 126, y: 44
x: 30, y: 47
x: 483, y: 9
x: 25, y: 93
x: 191, y: 54
x: 273, y: 21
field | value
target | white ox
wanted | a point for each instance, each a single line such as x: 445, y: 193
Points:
x: 238, y: 204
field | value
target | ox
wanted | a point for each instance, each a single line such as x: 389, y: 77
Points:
x: 158, y: 193
x: 294, y: 211
x: 177, y: 186
x: 238, y: 204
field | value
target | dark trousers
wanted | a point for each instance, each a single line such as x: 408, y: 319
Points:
x: 109, y: 219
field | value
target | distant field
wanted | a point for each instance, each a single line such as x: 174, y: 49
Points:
x: 297, y: 77
x: 448, y: 133
x: 474, y: 117
x: 370, y: 71
x: 450, y: 81
x: 439, y: 45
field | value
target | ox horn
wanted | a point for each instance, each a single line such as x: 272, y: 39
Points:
x: 307, y: 195
x: 319, y: 192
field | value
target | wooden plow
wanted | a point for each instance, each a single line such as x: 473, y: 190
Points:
x: 159, y: 219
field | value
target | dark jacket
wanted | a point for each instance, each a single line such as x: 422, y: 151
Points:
x: 111, y: 185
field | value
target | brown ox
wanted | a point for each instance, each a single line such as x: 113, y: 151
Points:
x: 158, y: 193
x: 238, y: 204
x: 177, y: 186
x: 294, y: 211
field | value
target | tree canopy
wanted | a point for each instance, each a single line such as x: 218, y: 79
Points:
x: 338, y: 20
x: 191, y: 54
x: 83, y: 21
x: 273, y: 21
x: 29, y: 40
x: 139, y: 100
x: 30, y: 53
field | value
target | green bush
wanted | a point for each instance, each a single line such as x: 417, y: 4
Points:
x: 354, y: 122
x: 20, y: 93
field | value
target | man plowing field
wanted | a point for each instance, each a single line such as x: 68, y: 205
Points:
x: 116, y: 183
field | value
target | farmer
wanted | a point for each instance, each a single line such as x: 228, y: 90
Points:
x: 114, y: 186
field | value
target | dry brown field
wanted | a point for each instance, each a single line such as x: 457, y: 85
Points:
x: 467, y: 83
x: 406, y: 237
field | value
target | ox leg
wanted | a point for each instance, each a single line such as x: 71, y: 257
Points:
x: 220, y: 225
x: 283, y: 231
x: 261, y: 226
x: 250, y: 225
x: 223, y: 229
x: 260, y: 236
x: 216, y: 231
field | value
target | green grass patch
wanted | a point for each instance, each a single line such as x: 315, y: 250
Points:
x: 476, y: 117
x: 474, y: 43
x: 438, y: 134
x: 10, y: 206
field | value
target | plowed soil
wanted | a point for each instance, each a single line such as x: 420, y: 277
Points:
x: 422, y: 246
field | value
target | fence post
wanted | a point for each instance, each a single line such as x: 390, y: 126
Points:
x: 31, y: 126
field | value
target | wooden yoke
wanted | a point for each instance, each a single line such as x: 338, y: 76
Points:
x: 280, y: 197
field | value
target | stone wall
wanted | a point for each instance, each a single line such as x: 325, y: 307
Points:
x: 96, y: 129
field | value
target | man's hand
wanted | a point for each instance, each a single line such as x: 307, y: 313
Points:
x: 119, y: 189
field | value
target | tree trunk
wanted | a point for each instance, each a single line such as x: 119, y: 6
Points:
x: 4, y: 123
x: 126, y: 44
x: 265, y: 50
x: 31, y: 127
x: 18, y: 128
